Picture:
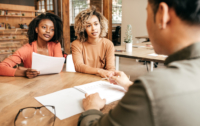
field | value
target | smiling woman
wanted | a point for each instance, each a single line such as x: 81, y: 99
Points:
x: 44, y: 34
x: 92, y: 53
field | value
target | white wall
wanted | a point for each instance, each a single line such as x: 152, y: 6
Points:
x: 134, y: 13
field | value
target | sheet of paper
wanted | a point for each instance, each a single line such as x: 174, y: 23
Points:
x: 154, y: 54
x: 106, y: 90
x: 68, y: 102
x: 137, y: 46
x: 47, y: 64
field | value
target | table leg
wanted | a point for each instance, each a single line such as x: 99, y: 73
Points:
x: 152, y: 65
x: 117, y: 63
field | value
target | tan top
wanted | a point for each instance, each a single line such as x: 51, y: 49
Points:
x: 90, y: 57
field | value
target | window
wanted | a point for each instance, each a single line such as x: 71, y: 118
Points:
x: 49, y: 5
x: 117, y: 11
x: 76, y: 6
x: 41, y: 4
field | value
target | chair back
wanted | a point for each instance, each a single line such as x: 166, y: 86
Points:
x: 70, y: 64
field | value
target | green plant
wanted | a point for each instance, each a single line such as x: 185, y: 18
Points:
x: 128, y: 38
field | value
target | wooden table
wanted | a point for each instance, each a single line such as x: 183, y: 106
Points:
x: 140, y: 51
x: 19, y: 92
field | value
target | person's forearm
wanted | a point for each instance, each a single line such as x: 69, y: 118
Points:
x: 7, y: 71
x: 22, y: 68
x: 20, y: 73
x: 86, y: 69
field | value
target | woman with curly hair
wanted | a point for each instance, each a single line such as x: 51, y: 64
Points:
x: 92, y: 53
x: 44, y: 34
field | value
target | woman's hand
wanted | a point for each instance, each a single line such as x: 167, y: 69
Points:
x: 105, y: 73
x: 120, y: 78
x: 31, y: 73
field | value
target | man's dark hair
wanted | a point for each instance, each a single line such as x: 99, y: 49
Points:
x: 58, y: 27
x: 187, y: 10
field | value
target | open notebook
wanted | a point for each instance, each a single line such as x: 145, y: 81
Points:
x: 68, y: 102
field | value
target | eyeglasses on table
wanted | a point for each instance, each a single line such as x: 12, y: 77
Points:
x: 31, y: 112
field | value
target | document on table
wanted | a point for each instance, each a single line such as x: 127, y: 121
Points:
x: 47, y: 64
x: 106, y: 90
x: 68, y: 102
x: 138, y: 46
x: 154, y: 54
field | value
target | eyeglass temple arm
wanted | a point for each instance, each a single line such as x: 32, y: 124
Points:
x: 17, y: 116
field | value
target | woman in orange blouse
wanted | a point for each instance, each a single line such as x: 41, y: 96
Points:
x: 92, y: 53
x: 44, y: 33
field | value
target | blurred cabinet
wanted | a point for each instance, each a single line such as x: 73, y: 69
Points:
x: 13, y: 20
x: 14, y: 15
x: 11, y: 40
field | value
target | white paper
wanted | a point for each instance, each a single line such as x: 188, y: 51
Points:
x: 106, y: 90
x: 154, y: 54
x: 67, y: 102
x: 47, y: 64
x: 138, y: 46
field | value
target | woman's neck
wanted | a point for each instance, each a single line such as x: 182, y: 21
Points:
x: 93, y: 40
x: 41, y: 43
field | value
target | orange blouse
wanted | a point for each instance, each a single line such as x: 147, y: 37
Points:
x: 24, y: 55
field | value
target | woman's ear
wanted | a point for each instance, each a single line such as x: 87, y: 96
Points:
x: 36, y: 29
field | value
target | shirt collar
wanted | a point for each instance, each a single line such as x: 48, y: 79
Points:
x: 190, y: 52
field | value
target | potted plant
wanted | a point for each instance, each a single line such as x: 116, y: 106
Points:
x: 128, y: 39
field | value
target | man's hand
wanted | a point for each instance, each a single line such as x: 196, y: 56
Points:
x: 31, y: 73
x: 121, y: 79
x: 93, y: 101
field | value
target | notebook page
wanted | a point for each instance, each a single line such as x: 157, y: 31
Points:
x: 106, y: 90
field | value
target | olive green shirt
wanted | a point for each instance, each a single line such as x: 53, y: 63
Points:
x: 165, y: 97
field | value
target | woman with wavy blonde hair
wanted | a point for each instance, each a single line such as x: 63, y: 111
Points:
x: 92, y: 53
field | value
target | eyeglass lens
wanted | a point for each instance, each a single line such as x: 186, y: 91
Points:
x: 28, y: 112
x: 44, y: 111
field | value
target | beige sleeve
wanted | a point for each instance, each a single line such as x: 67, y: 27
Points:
x: 77, y: 55
x: 110, y: 56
